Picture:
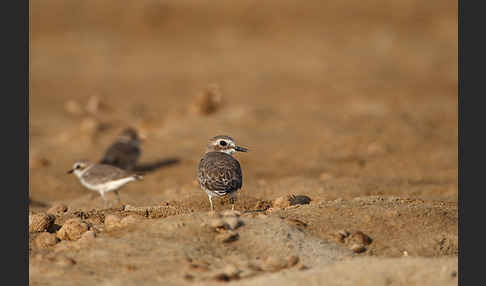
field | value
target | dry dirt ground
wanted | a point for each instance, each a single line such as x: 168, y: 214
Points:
x: 348, y: 108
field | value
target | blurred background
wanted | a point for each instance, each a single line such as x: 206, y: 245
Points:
x: 344, y: 98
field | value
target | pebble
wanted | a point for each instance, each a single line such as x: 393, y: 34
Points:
x: 40, y: 222
x: 112, y: 222
x: 274, y: 264
x: 72, y: 229
x: 228, y: 236
x: 233, y: 222
x: 361, y: 238
x: 358, y: 248
x: 208, y: 101
x: 292, y: 260
x: 57, y: 209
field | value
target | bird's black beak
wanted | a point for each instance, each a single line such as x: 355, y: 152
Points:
x: 70, y: 171
x: 241, y: 149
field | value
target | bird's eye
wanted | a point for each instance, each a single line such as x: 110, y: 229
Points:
x: 77, y: 167
x: 222, y: 143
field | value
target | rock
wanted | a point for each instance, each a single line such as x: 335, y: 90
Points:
x: 292, y: 260
x: 299, y: 200
x: 358, y: 248
x: 290, y: 200
x: 94, y: 105
x: 45, y: 240
x: 263, y: 205
x: 218, y: 224
x: 274, y: 264
x: 360, y: 238
x: 208, y: 101
x: 341, y: 235
x: 233, y: 222
x: 231, y: 270
x: 228, y: 273
x: 40, y: 222
x: 112, y: 222
x: 228, y: 236
x: 72, y: 229
x: 282, y: 202
x: 57, y: 209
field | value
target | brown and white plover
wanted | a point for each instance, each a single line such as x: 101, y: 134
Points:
x: 102, y: 178
x: 125, y: 151
x: 219, y: 174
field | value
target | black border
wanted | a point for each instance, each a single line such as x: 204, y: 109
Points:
x: 15, y: 143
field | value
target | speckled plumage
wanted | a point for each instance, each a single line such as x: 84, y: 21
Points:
x: 218, y: 173
x: 125, y: 152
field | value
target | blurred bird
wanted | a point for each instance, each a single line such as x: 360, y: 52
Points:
x: 124, y: 152
x: 218, y: 173
x: 102, y: 178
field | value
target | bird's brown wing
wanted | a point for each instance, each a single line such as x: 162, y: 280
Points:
x: 220, y: 173
x: 121, y: 155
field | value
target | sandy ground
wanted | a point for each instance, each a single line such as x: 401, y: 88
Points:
x: 350, y: 104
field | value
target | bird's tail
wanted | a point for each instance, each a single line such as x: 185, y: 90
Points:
x: 138, y: 177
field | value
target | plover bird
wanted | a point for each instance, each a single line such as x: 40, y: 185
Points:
x: 125, y: 151
x: 219, y: 174
x: 102, y: 178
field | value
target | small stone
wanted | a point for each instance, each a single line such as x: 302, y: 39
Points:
x: 233, y: 222
x: 72, y: 229
x: 218, y: 224
x: 358, y: 248
x: 227, y: 237
x: 292, y: 260
x: 299, y: 200
x: 263, y: 205
x: 282, y: 202
x: 94, y: 105
x: 40, y: 222
x: 57, y: 209
x: 208, y: 101
x: 112, y: 222
x: 274, y: 264
x: 341, y: 235
x: 361, y: 238
x: 231, y: 271
x: 45, y: 240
